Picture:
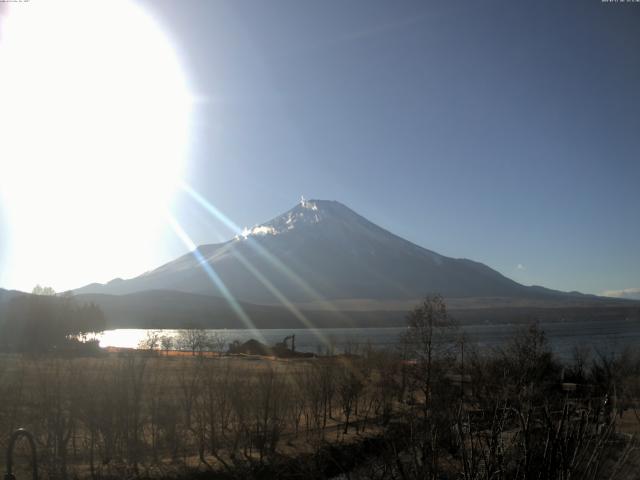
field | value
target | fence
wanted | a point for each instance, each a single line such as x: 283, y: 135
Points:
x: 17, y: 435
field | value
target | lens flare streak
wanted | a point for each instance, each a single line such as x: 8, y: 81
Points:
x: 292, y: 276
x: 280, y: 296
x: 213, y: 276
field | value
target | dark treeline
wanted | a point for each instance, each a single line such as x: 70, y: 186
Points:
x: 436, y: 408
x: 41, y: 323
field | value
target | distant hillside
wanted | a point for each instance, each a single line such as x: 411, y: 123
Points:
x: 9, y: 294
x: 173, y: 309
x: 5, y: 297
x: 170, y: 309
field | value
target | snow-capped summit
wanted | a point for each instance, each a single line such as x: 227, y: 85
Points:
x: 306, y: 212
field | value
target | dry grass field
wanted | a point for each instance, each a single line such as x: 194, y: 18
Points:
x: 128, y: 413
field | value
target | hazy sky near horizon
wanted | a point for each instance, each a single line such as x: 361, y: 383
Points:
x: 505, y: 132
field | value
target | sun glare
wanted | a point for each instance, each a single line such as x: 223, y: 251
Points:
x: 94, y: 112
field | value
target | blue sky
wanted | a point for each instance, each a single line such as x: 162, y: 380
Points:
x: 505, y: 132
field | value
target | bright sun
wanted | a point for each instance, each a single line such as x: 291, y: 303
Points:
x: 94, y: 113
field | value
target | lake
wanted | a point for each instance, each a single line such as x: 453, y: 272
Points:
x: 606, y: 337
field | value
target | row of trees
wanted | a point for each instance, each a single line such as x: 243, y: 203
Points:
x: 194, y: 340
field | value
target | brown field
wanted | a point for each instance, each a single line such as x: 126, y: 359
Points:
x: 127, y: 413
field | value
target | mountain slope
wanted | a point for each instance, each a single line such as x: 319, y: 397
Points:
x: 322, y: 250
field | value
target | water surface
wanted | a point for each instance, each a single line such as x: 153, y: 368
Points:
x: 605, y: 337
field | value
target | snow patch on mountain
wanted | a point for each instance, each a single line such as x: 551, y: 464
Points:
x: 258, y: 230
x: 307, y: 212
x: 311, y: 205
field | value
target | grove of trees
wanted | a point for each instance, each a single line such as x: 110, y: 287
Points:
x: 45, y: 322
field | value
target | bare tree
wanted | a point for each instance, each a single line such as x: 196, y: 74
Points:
x: 349, y: 387
x: 194, y: 340
x: 166, y: 343
x: 151, y: 341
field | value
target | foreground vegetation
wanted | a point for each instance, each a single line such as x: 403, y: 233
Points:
x: 434, y: 408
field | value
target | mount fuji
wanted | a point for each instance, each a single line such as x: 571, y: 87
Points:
x: 322, y: 251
